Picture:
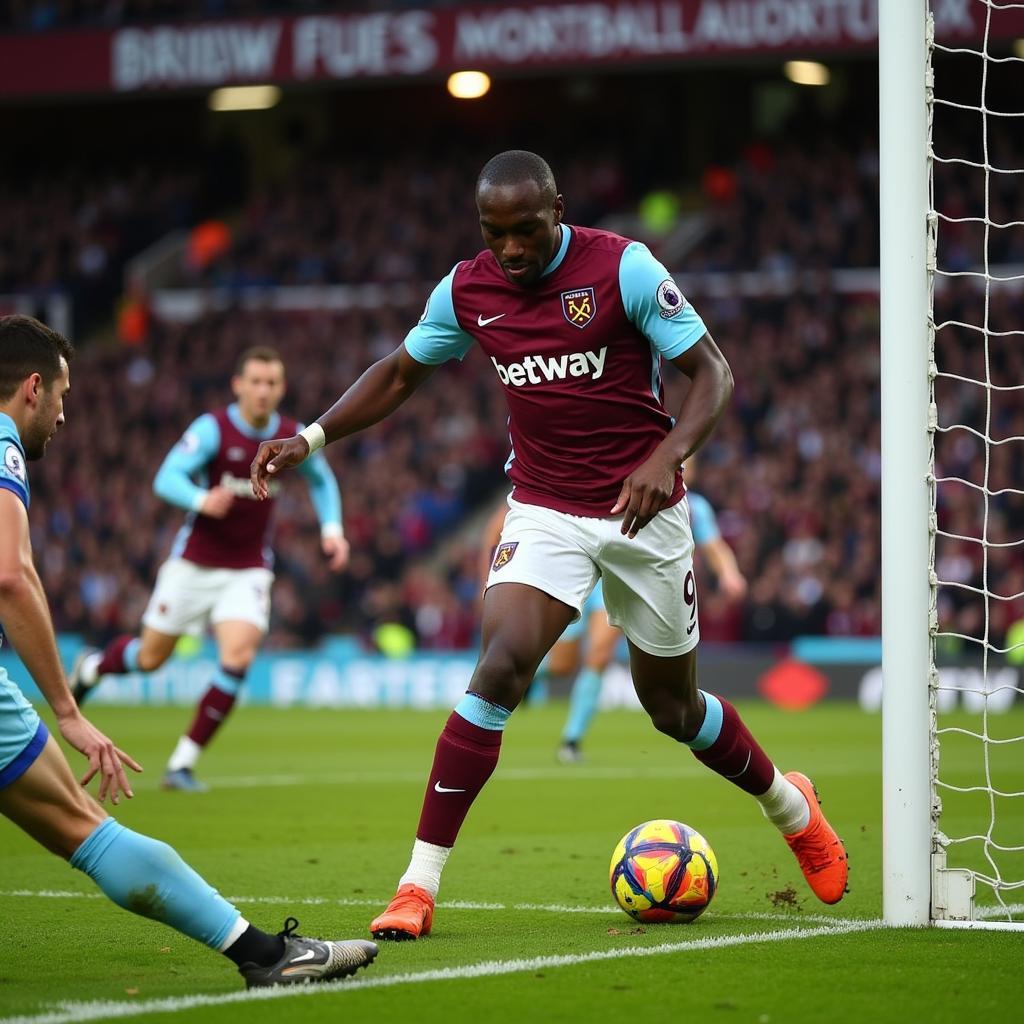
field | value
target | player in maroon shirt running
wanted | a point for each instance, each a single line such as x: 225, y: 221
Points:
x: 575, y: 322
x: 220, y: 571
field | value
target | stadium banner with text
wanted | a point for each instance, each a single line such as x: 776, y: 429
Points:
x: 412, y: 42
x: 339, y: 674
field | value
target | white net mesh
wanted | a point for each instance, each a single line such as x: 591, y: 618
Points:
x: 976, y: 151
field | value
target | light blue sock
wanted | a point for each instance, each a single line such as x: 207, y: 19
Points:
x: 131, y: 655
x: 582, y: 705
x: 228, y: 681
x: 712, y: 724
x: 482, y: 713
x: 148, y: 878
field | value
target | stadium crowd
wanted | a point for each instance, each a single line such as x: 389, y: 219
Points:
x: 358, y: 220
x: 72, y: 231
x: 794, y: 472
x: 794, y: 469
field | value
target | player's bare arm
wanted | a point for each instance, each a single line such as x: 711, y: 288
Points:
x: 217, y: 503
x: 375, y: 395
x: 27, y: 623
x: 722, y: 563
x: 647, y: 489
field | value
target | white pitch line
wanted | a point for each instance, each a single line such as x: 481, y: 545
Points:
x: 69, y: 1012
x: 985, y: 913
x: 321, y: 901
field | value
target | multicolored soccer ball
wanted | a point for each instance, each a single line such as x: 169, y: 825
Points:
x: 663, y: 871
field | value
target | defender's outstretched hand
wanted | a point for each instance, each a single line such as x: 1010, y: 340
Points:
x: 272, y: 457
x: 105, y: 759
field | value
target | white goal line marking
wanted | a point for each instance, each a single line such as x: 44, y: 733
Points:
x: 344, y: 901
x: 69, y: 1012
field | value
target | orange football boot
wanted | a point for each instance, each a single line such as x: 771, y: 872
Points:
x: 409, y: 915
x: 819, y: 851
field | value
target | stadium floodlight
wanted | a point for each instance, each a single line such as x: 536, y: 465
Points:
x: 244, y: 97
x: 469, y: 85
x: 958, y: 865
x: 806, y: 72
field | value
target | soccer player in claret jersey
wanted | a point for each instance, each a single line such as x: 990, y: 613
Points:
x: 38, y: 791
x: 220, y: 567
x: 575, y: 322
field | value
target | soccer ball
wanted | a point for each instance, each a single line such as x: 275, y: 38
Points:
x: 663, y: 871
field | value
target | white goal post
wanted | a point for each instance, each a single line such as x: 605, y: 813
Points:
x: 933, y: 870
x: 904, y: 300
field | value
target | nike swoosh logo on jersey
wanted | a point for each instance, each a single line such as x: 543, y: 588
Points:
x: 308, y: 955
x: 483, y: 321
x: 438, y: 788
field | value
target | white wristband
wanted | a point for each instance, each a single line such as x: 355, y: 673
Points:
x: 314, y: 435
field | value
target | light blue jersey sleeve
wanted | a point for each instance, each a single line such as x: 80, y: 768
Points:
x: 703, y: 524
x: 176, y: 479
x: 438, y: 336
x: 655, y: 304
x: 13, y: 474
x: 323, y: 488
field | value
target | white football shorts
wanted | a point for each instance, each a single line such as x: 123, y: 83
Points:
x: 649, y: 588
x: 187, y: 597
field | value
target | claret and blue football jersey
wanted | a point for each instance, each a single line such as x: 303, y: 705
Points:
x: 579, y: 357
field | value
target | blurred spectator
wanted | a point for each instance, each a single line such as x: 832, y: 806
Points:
x: 74, y: 231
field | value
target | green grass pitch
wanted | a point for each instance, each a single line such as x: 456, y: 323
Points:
x: 313, y: 813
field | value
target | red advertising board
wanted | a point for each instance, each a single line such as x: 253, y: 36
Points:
x: 409, y: 43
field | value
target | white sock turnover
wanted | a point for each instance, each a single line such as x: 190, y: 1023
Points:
x: 185, y: 755
x: 89, y: 670
x: 785, y: 806
x: 425, y: 866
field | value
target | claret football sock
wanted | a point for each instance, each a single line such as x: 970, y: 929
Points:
x: 119, y: 656
x: 724, y: 744
x: 466, y: 755
x: 213, y: 709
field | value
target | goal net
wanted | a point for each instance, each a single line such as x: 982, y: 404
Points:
x: 975, y: 261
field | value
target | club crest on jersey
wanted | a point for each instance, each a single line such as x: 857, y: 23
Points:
x: 579, y: 306
x: 670, y: 299
x: 503, y: 554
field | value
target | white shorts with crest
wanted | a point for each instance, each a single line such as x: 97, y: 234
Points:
x: 188, y: 597
x: 649, y: 587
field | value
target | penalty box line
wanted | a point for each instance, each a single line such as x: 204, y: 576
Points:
x: 74, y: 1012
x: 548, y: 908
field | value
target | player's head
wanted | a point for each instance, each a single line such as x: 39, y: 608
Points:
x: 258, y: 383
x: 520, y: 210
x: 33, y: 379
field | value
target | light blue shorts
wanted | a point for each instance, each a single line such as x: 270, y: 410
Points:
x: 22, y: 733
